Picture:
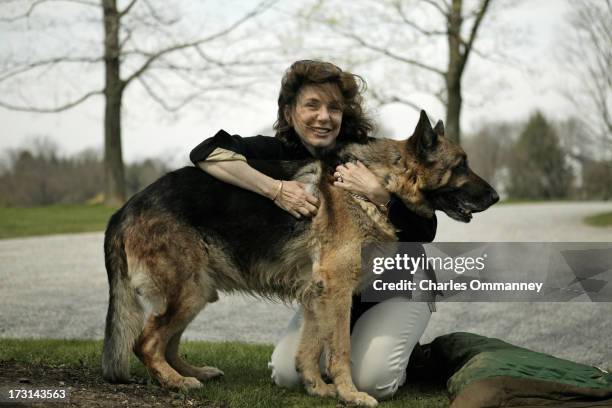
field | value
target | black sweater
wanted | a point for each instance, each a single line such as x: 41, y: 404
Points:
x: 412, y: 227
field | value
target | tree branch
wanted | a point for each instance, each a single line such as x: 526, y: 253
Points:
x: 54, y: 109
x: 49, y: 62
x: 386, y: 99
x: 588, y: 58
x: 390, y: 54
x: 157, y: 17
x: 438, y: 7
x: 37, y: 3
x: 126, y: 39
x: 470, y: 42
x: 410, y: 23
x: 261, y: 7
x: 127, y: 8
x: 158, y: 99
x: 191, y: 97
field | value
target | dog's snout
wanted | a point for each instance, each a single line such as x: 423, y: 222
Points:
x: 494, y: 197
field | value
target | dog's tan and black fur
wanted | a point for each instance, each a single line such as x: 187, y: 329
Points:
x: 185, y: 237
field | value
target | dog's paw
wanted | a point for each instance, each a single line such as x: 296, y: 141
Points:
x: 188, y: 383
x: 206, y: 373
x: 321, y: 389
x: 358, y: 398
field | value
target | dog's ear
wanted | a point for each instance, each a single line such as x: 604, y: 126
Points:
x: 424, y: 136
x: 439, y: 128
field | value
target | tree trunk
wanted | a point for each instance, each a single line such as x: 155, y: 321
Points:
x: 453, y: 109
x: 114, y: 178
x: 453, y: 73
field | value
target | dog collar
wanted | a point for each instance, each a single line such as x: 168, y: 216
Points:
x: 382, y: 207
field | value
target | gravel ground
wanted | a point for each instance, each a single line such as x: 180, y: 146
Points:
x: 55, y: 287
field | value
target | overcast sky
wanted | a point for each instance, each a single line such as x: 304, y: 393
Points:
x: 512, y: 95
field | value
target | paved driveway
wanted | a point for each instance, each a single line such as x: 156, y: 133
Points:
x: 56, y: 287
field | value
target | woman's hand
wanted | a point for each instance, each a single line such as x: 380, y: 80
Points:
x: 294, y: 199
x: 358, y: 179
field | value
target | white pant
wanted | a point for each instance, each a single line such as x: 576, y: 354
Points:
x: 381, y: 343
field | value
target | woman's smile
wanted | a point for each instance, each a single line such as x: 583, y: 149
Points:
x: 321, y: 131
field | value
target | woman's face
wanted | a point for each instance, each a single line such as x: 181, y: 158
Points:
x: 317, y: 115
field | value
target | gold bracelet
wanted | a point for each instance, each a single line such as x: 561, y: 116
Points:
x: 278, y: 191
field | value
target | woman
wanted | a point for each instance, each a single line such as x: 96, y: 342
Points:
x: 319, y: 105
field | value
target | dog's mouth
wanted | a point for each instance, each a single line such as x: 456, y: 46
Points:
x: 453, y: 206
x: 460, y: 214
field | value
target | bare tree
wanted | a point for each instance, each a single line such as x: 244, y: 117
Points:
x: 142, y: 42
x: 587, y: 55
x: 593, y: 168
x: 400, y: 31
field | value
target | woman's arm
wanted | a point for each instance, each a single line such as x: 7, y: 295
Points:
x: 240, y: 174
x: 224, y: 156
x: 288, y: 195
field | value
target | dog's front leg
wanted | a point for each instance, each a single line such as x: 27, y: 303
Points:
x: 336, y: 309
x: 308, y: 356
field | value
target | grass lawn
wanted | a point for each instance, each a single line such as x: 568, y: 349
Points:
x: 600, y: 220
x: 247, y: 383
x: 54, y: 219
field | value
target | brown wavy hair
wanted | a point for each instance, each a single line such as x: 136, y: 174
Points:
x: 356, y: 125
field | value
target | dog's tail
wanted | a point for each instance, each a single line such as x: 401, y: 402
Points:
x: 124, y: 319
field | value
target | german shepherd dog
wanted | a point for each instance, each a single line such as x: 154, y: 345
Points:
x: 172, y: 246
